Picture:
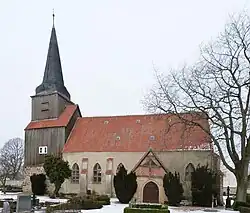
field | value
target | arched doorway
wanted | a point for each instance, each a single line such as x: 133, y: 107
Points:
x: 151, y: 193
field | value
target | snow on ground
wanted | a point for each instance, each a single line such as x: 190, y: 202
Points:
x: 115, y: 206
x: 42, y: 199
x: 225, y: 198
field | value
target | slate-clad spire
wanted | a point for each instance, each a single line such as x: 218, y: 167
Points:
x: 53, y: 77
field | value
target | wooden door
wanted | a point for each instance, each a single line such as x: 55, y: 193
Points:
x: 151, y: 193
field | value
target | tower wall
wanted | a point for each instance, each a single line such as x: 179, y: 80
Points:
x: 48, y: 106
x: 53, y: 138
x: 29, y: 171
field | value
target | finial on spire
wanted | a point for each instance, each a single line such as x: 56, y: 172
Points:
x: 53, y: 17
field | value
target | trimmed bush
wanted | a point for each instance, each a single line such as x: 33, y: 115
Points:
x: 68, y: 195
x: 144, y: 210
x: 9, y: 188
x: 203, y: 186
x: 148, y: 206
x: 93, y: 201
x: 244, y: 209
x: 38, y: 184
x: 77, y: 203
x: 103, y: 199
x: 125, y: 185
x: 238, y: 204
x: 173, y: 188
x: 248, y: 198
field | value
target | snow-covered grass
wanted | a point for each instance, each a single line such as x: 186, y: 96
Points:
x: 42, y: 199
x: 115, y: 206
x: 225, y: 198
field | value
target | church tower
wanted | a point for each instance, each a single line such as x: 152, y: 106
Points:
x: 51, y: 95
x: 53, y: 114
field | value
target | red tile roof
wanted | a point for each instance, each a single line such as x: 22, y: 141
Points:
x: 63, y: 119
x: 132, y: 134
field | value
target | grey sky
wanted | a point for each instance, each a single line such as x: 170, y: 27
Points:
x: 107, y: 49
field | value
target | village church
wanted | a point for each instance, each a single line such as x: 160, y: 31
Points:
x: 96, y: 147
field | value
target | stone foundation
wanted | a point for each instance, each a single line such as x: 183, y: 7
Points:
x: 29, y: 171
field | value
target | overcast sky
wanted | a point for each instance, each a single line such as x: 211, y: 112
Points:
x: 107, y: 50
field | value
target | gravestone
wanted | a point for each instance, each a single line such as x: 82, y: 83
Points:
x: 228, y: 200
x: 6, y: 207
x: 23, y: 203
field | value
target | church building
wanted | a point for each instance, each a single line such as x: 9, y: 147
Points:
x: 96, y: 147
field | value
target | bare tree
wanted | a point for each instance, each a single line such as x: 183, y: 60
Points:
x: 217, y: 87
x: 11, y: 155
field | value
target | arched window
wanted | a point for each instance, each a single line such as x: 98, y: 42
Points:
x: 97, y: 173
x: 75, y: 174
x: 188, y: 172
x: 118, y: 167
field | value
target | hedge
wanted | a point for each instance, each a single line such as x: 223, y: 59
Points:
x: 87, y: 204
x: 145, y: 210
x: 248, y: 198
x: 244, y: 209
x: 82, y: 203
x: 148, y: 206
x: 237, y: 205
x: 103, y: 199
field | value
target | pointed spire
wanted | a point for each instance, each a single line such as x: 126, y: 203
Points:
x: 53, y: 76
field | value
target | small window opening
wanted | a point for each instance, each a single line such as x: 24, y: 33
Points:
x: 151, y: 137
x: 45, y: 106
x: 43, y: 150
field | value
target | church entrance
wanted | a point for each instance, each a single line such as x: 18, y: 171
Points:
x: 151, y: 193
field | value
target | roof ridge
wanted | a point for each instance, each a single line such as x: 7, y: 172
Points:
x: 139, y: 115
x: 135, y: 115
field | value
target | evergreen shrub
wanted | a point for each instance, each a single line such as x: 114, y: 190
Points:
x: 203, y: 186
x: 173, y: 188
x: 125, y: 185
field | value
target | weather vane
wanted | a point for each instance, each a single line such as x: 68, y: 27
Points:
x: 53, y: 17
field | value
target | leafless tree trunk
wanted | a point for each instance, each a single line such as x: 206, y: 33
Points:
x: 4, y: 174
x: 217, y: 87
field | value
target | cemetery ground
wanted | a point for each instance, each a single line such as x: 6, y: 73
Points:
x: 116, y: 207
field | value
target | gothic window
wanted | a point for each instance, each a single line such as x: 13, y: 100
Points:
x: 118, y: 167
x: 97, y: 173
x: 188, y: 172
x: 75, y: 174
